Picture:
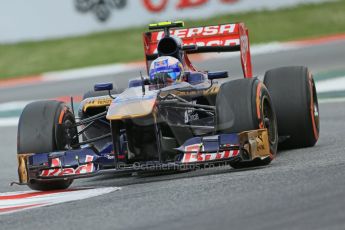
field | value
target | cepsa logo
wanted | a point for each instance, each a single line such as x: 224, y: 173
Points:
x: 218, y: 35
x: 200, y: 31
x: 160, y: 5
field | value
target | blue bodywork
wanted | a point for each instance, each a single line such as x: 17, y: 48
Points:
x: 105, y: 160
x: 70, y: 163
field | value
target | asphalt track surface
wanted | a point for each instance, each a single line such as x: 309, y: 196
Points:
x: 301, y: 189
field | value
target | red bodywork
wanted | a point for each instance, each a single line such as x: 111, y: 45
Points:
x: 218, y: 38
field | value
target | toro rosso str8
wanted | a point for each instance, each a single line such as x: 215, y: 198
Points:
x: 200, y: 120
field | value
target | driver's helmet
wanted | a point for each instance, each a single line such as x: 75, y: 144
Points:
x: 166, y: 70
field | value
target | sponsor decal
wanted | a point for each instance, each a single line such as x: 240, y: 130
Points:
x: 160, y: 5
x: 216, y: 35
x: 100, y: 8
x: 217, y: 42
x: 56, y: 162
x: 161, y: 65
x: 190, y: 114
x: 198, y: 31
x: 211, y: 42
x: 155, y: 7
x: 99, y: 102
x: 195, y: 156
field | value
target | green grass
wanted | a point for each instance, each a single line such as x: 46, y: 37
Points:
x: 32, y: 58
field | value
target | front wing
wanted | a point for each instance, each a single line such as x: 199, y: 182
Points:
x: 195, y: 152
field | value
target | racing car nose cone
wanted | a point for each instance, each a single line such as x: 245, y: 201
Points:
x: 132, y: 104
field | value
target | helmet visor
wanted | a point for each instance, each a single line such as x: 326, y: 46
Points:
x: 169, y: 76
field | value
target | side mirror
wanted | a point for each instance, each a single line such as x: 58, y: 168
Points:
x: 217, y: 75
x: 103, y: 86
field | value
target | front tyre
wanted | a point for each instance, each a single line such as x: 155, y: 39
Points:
x: 243, y: 105
x: 46, y: 126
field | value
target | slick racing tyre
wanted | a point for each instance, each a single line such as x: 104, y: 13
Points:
x: 294, y: 97
x: 46, y: 126
x: 243, y: 105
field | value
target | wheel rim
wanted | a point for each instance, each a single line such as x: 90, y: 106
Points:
x: 70, y: 133
x: 315, y: 108
x: 270, y: 122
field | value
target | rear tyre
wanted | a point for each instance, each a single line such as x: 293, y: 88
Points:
x: 243, y: 105
x: 46, y: 126
x: 294, y: 97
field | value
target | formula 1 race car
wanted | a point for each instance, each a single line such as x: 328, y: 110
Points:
x: 153, y: 126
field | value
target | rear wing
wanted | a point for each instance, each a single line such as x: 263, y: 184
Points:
x: 217, y: 38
